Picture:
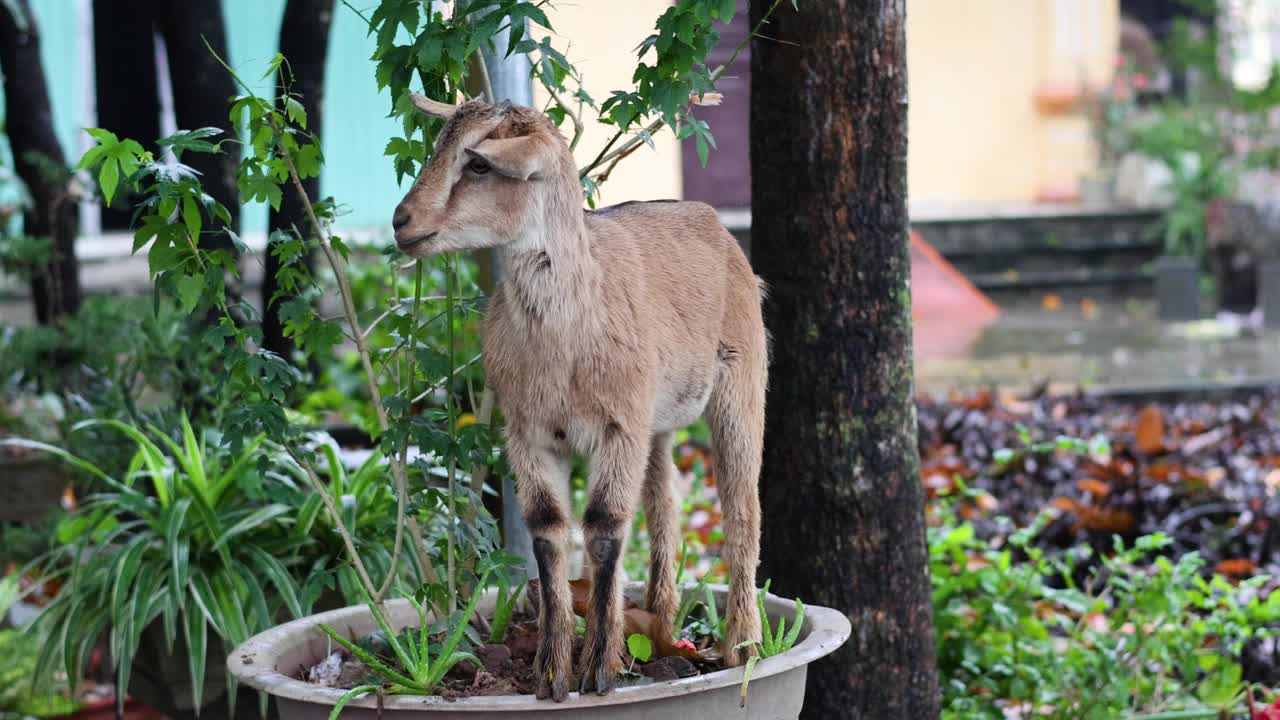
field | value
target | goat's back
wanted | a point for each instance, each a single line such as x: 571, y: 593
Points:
x: 689, y: 282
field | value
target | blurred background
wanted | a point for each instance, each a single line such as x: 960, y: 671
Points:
x: 1071, y: 163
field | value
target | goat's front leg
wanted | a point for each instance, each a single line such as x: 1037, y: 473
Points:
x: 537, y: 471
x: 617, y: 471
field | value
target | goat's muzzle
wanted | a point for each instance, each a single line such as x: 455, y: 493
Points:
x: 406, y: 239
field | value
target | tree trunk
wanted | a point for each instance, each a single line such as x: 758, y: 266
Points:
x: 38, y: 159
x: 829, y: 235
x: 128, y: 99
x: 201, y: 87
x: 304, y: 42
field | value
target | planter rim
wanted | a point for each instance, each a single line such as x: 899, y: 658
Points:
x: 254, y: 662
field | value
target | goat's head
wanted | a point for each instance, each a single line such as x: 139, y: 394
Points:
x: 490, y: 180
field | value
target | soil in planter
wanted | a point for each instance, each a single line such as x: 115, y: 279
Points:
x: 508, y: 667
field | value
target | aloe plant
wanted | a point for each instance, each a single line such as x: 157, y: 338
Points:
x: 413, y: 669
x: 771, y: 642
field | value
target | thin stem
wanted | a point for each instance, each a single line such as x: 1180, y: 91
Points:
x: 450, y: 280
x: 484, y: 415
x: 631, y: 145
x: 349, y: 309
x: 576, y: 117
x: 447, y: 378
x: 329, y: 505
x: 420, y: 547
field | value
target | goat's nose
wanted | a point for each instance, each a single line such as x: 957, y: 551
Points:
x: 400, y: 219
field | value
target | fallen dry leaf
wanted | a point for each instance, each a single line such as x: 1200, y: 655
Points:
x: 1149, y: 430
x: 1096, y: 518
x: 1236, y: 568
x: 635, y: 620
x: 1095, y: 487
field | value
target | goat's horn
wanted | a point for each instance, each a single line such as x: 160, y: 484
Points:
x: 435, y: 108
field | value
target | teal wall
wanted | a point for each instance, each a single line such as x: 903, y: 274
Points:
x: 356, y: 126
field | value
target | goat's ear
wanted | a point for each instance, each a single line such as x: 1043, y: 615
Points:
x: 434, y: 108
x: 519, y: 157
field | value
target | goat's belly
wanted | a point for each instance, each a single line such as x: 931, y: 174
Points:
x: 680, y: 405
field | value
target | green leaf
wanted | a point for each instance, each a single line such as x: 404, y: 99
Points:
x: 63, y: 455
x: 746, y: 678
x: 109, y: 179
x: 151, y: 454
x: 297, y: 113
x: 195, y: 631
x: 789, y: 640
x: 275, y: 571
x: 179, y: 551
x: 350, y: 695
x: 376, y: 665
x: 640, y: 647
x: 259, y: 517
x: 190, y: 288
x: 192, y: 140
x: 124, y: 570
x: 191, y: 217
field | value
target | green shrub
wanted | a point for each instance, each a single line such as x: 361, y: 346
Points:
x: 1144, y: 634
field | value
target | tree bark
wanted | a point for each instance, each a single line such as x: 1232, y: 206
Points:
x: 38, y: 159
x: 304, y: 42
x: 128, y: 97
x: 829, y: 235
x: 201, y: 87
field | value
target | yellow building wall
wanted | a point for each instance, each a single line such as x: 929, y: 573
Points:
x: 600, y: 37
x: 976, y: 135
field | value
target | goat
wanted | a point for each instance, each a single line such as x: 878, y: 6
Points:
x: 611, y: 330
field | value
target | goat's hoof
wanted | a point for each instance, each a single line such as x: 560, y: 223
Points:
x: 598, y: 679
x: 552, y: 685
x: 553, y: 668
x: 599, y: 675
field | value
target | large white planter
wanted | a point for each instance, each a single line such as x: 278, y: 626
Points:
x: 268, y: 660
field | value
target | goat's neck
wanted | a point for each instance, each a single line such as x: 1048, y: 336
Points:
x: 551, y: 276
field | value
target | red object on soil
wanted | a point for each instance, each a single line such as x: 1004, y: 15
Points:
x: 947, y: 311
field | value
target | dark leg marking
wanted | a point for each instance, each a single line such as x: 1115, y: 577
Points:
x: 604, y: 558
x: 544, y: 512
x: 546, y: 555
x: 598, y: 518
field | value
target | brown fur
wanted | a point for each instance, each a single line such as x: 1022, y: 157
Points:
x: 611, y: 330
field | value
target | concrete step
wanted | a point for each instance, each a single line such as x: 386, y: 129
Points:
x: 1038, y: 250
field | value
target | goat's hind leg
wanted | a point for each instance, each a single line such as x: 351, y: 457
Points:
x: 735, y: 416
x: 537, y: 470
x: 660, y: 510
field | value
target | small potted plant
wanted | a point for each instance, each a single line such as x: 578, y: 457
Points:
x: 1189, y: 142
x: 1111, y: 111
x: 31, y: 482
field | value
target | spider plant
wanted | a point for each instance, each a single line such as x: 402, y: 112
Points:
x: 187, y: 538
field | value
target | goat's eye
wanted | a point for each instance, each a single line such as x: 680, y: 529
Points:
x: 478, y: 166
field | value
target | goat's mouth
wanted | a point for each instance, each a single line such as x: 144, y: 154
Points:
x: 414, y: 245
